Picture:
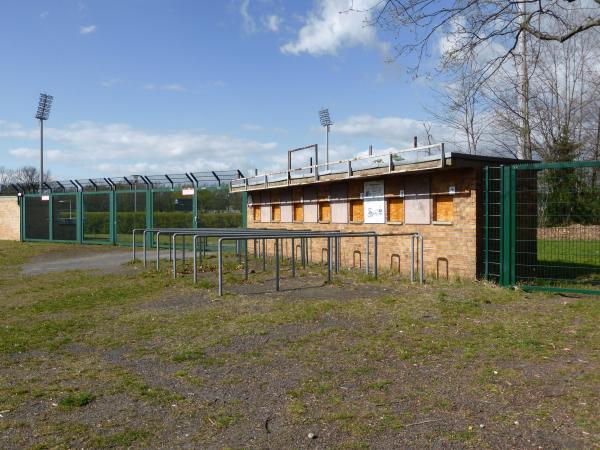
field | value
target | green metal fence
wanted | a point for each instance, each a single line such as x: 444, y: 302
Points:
x: 542, y: 226
x: 109, y: 217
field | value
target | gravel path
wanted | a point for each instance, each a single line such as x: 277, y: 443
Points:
x: 103, y: 260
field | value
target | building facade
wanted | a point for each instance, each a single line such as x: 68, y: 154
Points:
x: 442, y: 199
x: 10, y: 218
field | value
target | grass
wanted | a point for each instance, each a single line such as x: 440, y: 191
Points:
x: 565, y: 263
x: 137, y: 359
x: 586, y: 252
x: 77, y: 400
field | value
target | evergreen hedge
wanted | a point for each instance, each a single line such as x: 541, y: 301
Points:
x: 98, y: 222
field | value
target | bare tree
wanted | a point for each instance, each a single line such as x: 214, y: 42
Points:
x: 486, y: 29
x: 428, y: 135
x: 563, y: 99
x: 6, y: 177
x: 462, y: 108
x: 28, y: 177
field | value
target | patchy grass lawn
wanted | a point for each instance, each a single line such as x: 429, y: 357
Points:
x: 137, y: 359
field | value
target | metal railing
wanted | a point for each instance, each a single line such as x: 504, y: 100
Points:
x: 388, y: 160
x: 262, y: 236
x: 130, y: 182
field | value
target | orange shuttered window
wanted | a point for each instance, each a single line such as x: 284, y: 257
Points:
x: 443, y: 208
x: 395, y: 209
x: 298, y: 212
x: 356, y: 211
x: 256, y: 213
x: 276, y: 213
x: 324, y: 212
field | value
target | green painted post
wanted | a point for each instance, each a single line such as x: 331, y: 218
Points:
x: 149, y: 209
x: 149, y: 213
x: 79, y: 218
x: 245, y: 210
x: 195, y: 208
x: 486, y: 237
x: 513, y: 226
x: 505, y: 225
x: 50, y: 217
x: 113, y: 217
x: 22, y: 219
x: 501, y: 229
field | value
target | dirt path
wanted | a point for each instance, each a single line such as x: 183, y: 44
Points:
x: 101, y: 259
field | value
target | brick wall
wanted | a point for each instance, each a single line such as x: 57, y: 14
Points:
x: 9, y: 218
x: 451, y: 249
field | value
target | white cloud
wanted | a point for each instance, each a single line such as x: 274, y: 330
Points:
x: 16, y: 130
x: 251, y: 127
x: 111, y: 82
x: 117, y: 149
x: 34, y: 153
x: 173, y: 87
x: 272, y: 22
x: 456, y: 37
x: 397, y: 132
x: 331, y: 26
x: 89, y: 29
x: 248, y: 22
x: 217, y: 83
x: 44, y: 14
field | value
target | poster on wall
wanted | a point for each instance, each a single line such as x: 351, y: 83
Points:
x: 374, y: 202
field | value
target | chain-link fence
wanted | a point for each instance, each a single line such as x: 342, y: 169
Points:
x: 109, y: 217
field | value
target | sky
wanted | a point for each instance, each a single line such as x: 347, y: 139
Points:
x: 157, y: 86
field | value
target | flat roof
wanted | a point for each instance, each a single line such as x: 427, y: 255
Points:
x: 426, y: 158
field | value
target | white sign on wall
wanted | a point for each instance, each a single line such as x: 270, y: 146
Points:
x: 187, y: 191
x: 374, y: 202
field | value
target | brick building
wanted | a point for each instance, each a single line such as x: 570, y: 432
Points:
x: 10, y: 220
x: 440, y: 196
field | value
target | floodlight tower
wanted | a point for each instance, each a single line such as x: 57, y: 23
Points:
x: 326, y: 122
x: 43, y: 112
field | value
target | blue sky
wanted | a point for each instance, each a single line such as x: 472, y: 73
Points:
x: 160, y: 86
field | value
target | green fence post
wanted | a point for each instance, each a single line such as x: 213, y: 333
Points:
x: 79, y: 218
x: 149, y: 212
x: 501, y: 229
x: 486, y: 225
x: 113, y: 217
x: 505, y: 225
x: 195, y: 208
x: 22, y: 219
x: 50, y: 217
x: 513, y: 226
x: 245, y: 210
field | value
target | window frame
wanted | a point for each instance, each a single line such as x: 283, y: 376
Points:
x: 387, y: 210
x: 434, y: 219
x: 350, y: 202
x: 255, y: 208
x: 320, y: 205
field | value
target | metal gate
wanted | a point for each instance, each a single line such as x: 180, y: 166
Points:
x: 542, y: 226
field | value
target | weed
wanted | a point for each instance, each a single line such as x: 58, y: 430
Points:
x: 195, y: 355
x: 77, y: 400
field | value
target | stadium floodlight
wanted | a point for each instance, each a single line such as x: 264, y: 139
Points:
x: 326, y: 122
x: 43, y: 112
